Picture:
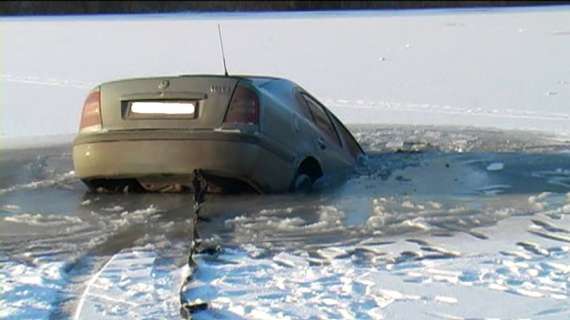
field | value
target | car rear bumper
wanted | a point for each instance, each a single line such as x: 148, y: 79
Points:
x: 173, y: 156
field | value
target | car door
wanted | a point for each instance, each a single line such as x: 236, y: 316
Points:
x: 327, y: 140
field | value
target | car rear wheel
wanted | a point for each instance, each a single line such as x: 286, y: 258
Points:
x: 308, y: 172
x: 302, y: 184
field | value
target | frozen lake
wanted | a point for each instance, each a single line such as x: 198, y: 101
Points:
x: 504, y: 68
x: 464, y: 222
x: 439, y: 222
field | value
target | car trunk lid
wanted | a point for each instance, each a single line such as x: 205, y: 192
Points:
x: 185, y: 102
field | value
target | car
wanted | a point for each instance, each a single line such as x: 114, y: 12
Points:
x: 243, y: 133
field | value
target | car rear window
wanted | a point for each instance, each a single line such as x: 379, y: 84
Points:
x: 321, y: 119
x: 284, y: 92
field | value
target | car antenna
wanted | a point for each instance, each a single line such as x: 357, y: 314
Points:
x: 222, y: 47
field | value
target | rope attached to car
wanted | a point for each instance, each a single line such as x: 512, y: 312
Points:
x: 200, y: 187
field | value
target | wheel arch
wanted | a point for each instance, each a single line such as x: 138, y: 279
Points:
x: 311, y: 167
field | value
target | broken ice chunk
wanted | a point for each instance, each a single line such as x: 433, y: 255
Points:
x: 496, y: 166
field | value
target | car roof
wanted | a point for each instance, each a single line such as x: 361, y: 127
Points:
x: 240, y: 76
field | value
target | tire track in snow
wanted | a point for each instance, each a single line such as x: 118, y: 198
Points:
x: 53, y: 82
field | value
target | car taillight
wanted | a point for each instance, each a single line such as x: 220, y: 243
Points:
x: 91, y: 114
x: 244, y: 107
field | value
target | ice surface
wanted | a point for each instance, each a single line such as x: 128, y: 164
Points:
x: 29, y: 291
x: 494, y: 68
x: 522, y: 264
x: 422, y: 230
x: 133, y: 284
x: 436, y: 230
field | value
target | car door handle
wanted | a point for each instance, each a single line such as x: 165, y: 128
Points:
x: 321, y: 143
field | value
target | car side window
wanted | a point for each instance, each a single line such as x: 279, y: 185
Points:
x: 350, y: 143
x: 321, y: 119
x: 302, y: 105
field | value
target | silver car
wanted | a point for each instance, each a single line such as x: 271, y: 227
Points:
x: 242, y: 132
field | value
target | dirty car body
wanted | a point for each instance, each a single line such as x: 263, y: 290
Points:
x: 242, y: 132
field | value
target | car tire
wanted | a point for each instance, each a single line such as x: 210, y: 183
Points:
x: 302, y: 184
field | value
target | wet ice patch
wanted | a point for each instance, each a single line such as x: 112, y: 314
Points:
x: 559, y: 176
x: 274, y: 223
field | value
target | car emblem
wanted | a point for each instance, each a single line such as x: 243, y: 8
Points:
x: 163, y: 84
x: 219, y: 89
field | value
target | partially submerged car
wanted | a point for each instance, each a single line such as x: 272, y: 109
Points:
x: 242, y: 132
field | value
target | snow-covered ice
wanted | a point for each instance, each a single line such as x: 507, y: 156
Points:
x: 439, y: 222
x: 521, y: 262
x: 27, y: 291
x: 434, y: 67
x: 133, y: 284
